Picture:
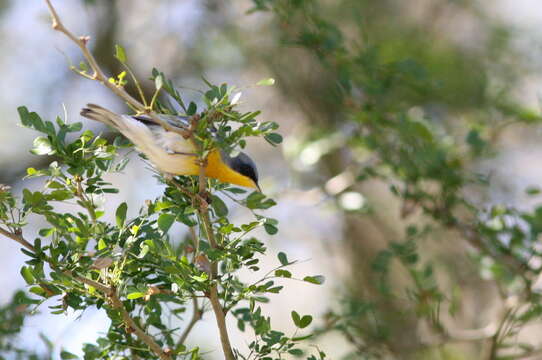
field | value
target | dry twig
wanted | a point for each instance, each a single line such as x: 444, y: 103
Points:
x: 99, y: 75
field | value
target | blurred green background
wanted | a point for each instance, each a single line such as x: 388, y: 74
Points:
x: 465, y: 72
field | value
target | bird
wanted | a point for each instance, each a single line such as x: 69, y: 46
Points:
x: 173, y: 154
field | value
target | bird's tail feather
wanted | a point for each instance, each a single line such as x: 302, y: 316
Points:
x: 154, y: 145
x: 138, y: 133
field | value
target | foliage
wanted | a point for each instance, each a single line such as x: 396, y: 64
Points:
x: 133, y: 268
x: 403, y: 104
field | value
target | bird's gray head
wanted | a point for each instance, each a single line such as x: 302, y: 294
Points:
x: 242, y: 164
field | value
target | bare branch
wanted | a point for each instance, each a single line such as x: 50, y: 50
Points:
x: 196, y: 316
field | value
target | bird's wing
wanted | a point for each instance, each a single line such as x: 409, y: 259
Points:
x: 170, y: 141
x: 169, y: 151
x: 173, y: 120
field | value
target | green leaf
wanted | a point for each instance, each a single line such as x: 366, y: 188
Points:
x: 266, y: 82
x: 305, y: 321
x: 135, y: 295
x: 75, y: 127
x: 270, y: 229
x: 317, y: 279
x: 120, y: 54
x: 101, y: 244
x: 32, y: 120
x: 165, y: 221
x: 274, y: 138
x: 38, y: 291
x: 120, y: 215
x: 296, y: 318
x: 192, y: 108
x: 27, y: 275
x: 144, y: 250
x: 255, y: 201
x: 65, y: 355
x: 275, y: 290
x: 296, y: 352
x: 301, y: 338
x: 219, y: 206
x: 283, y: 258
x: 283, y: 273
x: 60, y: 195
x: 42, y: 146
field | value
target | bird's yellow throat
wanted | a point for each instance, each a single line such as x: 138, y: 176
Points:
x: 217, y: 169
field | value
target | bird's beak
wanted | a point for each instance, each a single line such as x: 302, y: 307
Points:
x: 258, y: 187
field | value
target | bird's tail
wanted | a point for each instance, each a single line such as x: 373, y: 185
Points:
x: 139, y: 134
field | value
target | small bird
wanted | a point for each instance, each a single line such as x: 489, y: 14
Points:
x: 173, y: 154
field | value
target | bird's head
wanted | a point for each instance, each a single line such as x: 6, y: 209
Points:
x: 238, y: 170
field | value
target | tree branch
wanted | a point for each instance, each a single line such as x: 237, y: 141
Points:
x: 99, y: 75
x: 131, y: 324
x: 196, y: 316
x: 220, y: 314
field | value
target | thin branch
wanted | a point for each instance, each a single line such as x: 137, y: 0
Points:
x: 195, y: 240
x: 220, y: 314
x: 18, y: 238
x: 131, y: 324
x: 196, y: 316
x: 99, y: 75
x: 497, y: 337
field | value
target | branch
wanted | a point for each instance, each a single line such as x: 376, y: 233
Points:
x: 220, y: 314
x: 498, y: 336
x: 18, y: 238
x: 196, y: 316
x: 99, y: 75
x: 131, y: 324
x: 106, y: 290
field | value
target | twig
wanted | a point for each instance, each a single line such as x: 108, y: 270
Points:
x: 99, y: 75
x: 17, y: 238
x: 196, y: 316
x: 497, y: 337
x: 195, y: 239
x: 131, y: 324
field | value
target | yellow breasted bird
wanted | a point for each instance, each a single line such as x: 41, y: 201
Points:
x: 173, y: 154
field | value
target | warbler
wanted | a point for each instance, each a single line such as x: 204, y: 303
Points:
x: 171, y: 153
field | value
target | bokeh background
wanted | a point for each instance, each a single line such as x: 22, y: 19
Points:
x: 473, y: 49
